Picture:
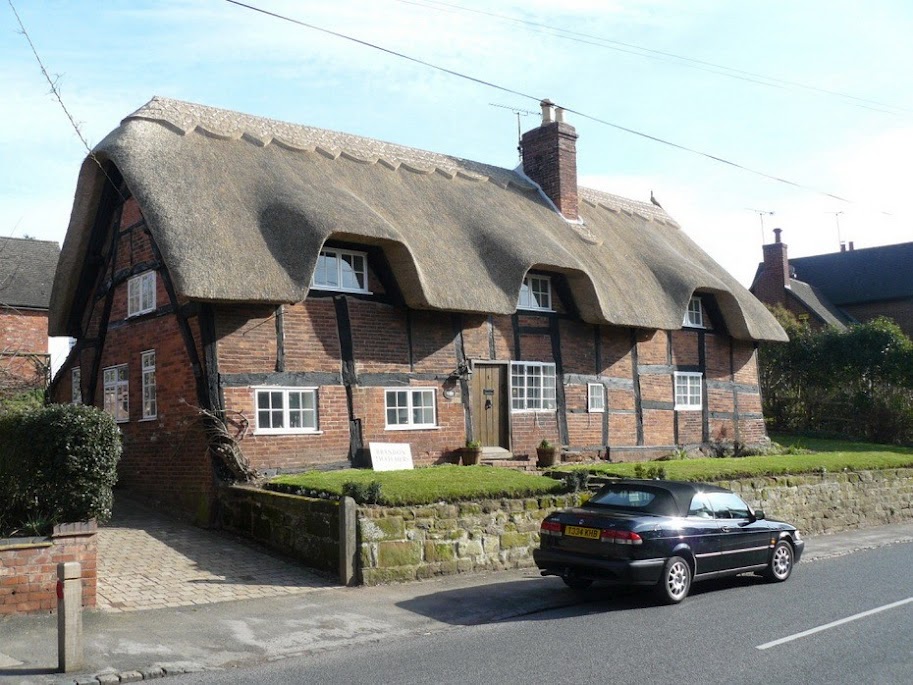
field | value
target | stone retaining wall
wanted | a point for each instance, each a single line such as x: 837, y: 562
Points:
x: 831, y: 502
x: 305, y: 528
x: 407, y: 543
x: 28, y: 568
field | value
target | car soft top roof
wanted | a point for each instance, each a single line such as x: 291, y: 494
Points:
x: 682, y: 492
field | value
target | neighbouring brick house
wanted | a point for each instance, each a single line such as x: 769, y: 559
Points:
x: 26, y: 274
x: 839, y: 288
x: 325, y: 291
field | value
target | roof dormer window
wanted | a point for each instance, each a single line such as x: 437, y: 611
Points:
x: 694, y: 315
x: 536, y: 293
x: 341, y: 270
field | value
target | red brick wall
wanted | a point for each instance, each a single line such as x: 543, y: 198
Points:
x: 23, y: 332
x: 28, y: 571
x: 901, y: 311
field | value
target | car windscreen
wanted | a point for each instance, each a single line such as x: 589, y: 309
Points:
x: 644, y: 500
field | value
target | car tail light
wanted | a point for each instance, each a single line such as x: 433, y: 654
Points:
x: 621, y: 537
x: 550, y: 528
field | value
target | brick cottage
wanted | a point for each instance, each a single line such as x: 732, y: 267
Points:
x: 26, y: 273
x: 322, y: 291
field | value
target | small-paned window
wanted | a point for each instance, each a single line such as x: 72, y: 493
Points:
x: 536, y: 293
x: 694, y: 315
x: 532, y: 386
x: 688, y: 391
x: 595, y: 397
x: 150, y: 404
x: 141, y: 294
x: 410, y: 408
x: 341, y: 270
x: 286, y: 410
x: 76, y: 390
x: 117, y: 392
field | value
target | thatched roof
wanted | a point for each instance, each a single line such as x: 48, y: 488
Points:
x: 240, y: 207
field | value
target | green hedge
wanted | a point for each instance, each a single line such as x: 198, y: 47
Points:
x: 57, y: 464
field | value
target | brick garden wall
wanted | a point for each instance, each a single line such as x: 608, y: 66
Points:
x: 28, y: 568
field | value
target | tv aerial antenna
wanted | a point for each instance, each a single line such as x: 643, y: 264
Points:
x: 761, y: 214
x: 520, y: 113
x: 837, y: 221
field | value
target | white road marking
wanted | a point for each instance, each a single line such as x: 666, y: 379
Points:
x: 834, y: 624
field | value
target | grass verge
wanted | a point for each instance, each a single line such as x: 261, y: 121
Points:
x: 423, y: 486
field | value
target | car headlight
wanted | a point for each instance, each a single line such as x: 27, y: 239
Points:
x: 797, y: 536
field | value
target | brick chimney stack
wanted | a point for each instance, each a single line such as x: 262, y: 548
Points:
x: 774, y: 276
x: 550, y: 159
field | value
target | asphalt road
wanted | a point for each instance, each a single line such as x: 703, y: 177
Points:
x: 714, y: 636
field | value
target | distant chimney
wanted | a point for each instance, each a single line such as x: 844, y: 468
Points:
x: 851, y: 246
x: 550, y: 159
x: 774, y: 276
x: 842, y: 246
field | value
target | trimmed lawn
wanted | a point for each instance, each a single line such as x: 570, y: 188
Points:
x: 428, y: 485
x: 832, y: 455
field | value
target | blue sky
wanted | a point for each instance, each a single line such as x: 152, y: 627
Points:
x: 111, y: 57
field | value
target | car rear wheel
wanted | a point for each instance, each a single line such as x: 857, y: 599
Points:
x: 675, y: 581
x: 781, y: 562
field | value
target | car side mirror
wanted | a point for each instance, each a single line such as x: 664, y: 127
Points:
x: 758, y: 514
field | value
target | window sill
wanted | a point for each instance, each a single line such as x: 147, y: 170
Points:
x: 148, y: 418
x: 540, y: 310
x: 287, y: 432
x: 136, y: 315
x: 330, y: 289
x: 596, y: 411
x: 687, y: 407
x: 412, y: 428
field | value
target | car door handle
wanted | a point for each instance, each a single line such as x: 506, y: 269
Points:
x: 726, y: 529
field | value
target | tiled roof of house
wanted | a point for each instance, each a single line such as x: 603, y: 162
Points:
x: 819, y: 305
x: 27, y: 272
x: 865, y: 275
x: 240, y: 207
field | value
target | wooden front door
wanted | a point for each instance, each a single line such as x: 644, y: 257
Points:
x: 490, y: 409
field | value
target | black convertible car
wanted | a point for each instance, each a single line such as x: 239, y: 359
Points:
x: 665, y: 534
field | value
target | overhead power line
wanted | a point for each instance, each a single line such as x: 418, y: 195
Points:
x: 664, y: 56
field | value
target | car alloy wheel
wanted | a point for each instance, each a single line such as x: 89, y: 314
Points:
x: 675, y: 582
x: 781, y: 562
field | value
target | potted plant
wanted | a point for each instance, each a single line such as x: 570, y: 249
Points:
x: 547, y: 453
x: 471, y: 452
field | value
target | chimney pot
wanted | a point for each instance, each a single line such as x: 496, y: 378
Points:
x: 559, y: 114
x: 777, y: 232
x: 851, y: 246
x: 547, y: 109
x: 842, y: 246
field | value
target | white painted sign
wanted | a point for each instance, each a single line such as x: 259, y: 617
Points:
x: 390, y: 456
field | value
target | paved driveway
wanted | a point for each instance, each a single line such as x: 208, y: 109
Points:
x: 149, y: 561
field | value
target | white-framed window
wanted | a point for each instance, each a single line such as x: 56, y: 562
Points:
x: 595, y: 397
x: 117, y: 392
x: 688, y: 390
x: 532, y: 386
x: 694, y: 315
x: 150, y: 404
x: 408, y: 408
x: 536, y: 293
x: 286, y: 410
x: 141, y: 294
x: 76, y: 390
x: 341, y: 270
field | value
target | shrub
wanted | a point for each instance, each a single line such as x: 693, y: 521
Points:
x: 57, y: 464
x: 363, y: 493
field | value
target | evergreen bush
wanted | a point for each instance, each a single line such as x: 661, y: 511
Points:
x: 57, y: 464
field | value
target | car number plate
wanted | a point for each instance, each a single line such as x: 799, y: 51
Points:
x: 579, y: 532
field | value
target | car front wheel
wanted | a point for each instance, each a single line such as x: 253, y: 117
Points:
x: 781, y: 563
x: 675, y: 581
